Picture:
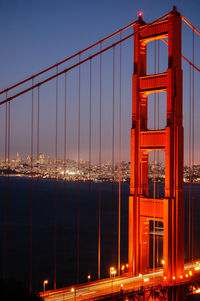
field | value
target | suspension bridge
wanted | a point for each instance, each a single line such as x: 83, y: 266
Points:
x: 71, y: 124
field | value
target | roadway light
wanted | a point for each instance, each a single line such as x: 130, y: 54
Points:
x: 173, y: 277
x: 190, y: 273
x: 44, y: 284
x: 186, y: 275
x: 165, y: 277
x: 146, y: 279
x: 163, y: 262
x: 181, y: 276
x: 73, y: 291
x: 197, y: 268
x: 123, y: 267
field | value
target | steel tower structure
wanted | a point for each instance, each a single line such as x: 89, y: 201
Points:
x: 142, y: 208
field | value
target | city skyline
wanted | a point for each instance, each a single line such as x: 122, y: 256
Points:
x: 40, y: 42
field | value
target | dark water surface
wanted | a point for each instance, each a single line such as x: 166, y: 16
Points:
x: 57, y: 203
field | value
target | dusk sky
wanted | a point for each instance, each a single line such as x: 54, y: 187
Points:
x: 38, y: 33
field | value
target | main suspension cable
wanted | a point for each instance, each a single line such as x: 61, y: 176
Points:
x: 83, y: 61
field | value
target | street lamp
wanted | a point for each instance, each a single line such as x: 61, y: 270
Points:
x: 73, y: 291
x: 44, y: 284
x: 112, y: 275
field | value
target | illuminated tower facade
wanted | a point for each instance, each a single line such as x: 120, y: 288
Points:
x: 170, y: 209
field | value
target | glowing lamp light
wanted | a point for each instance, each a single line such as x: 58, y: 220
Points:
x: 197, y: 268
x: 190, y: 273
x: 140, y: 14
x: 72, y: 290
x: 127, y: 265
x: 173, y: 277
x: 123, y: 267
x: 140, y: 275
x: 121, y: 285
x: 165, y: 277
x: 186, y: 275
x: 89, y: 277
x: 198, y: 291
x: 146, y: 279
x: 181, y: 276
x: 45, y: 281
x: 163, y: 262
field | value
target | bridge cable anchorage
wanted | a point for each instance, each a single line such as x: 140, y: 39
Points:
x: 67, y: 59
x: 100, y: 121
x: 80, y: 63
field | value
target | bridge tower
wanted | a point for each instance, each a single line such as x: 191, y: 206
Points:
x: 142, y: 208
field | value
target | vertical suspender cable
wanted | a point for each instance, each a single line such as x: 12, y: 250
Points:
x: 119, y: 167
x: 78, y: 187
x: 113, y: 155
x: 99, y: 228
x: 5, y: 239
x: 90, y: 148
x: 189, y: 146
x: 56, y: 182
x: 158, y: 125
x: 8, y: 184
x: 154, y: 163
x: 193, y: 146
x: 31, y: 193
x: 65, y: 165
x: 37, y: 190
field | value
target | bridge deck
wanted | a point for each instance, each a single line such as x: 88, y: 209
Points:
x: 105, y: 287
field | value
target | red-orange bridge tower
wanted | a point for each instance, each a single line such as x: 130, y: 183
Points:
x: 142, y: 208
